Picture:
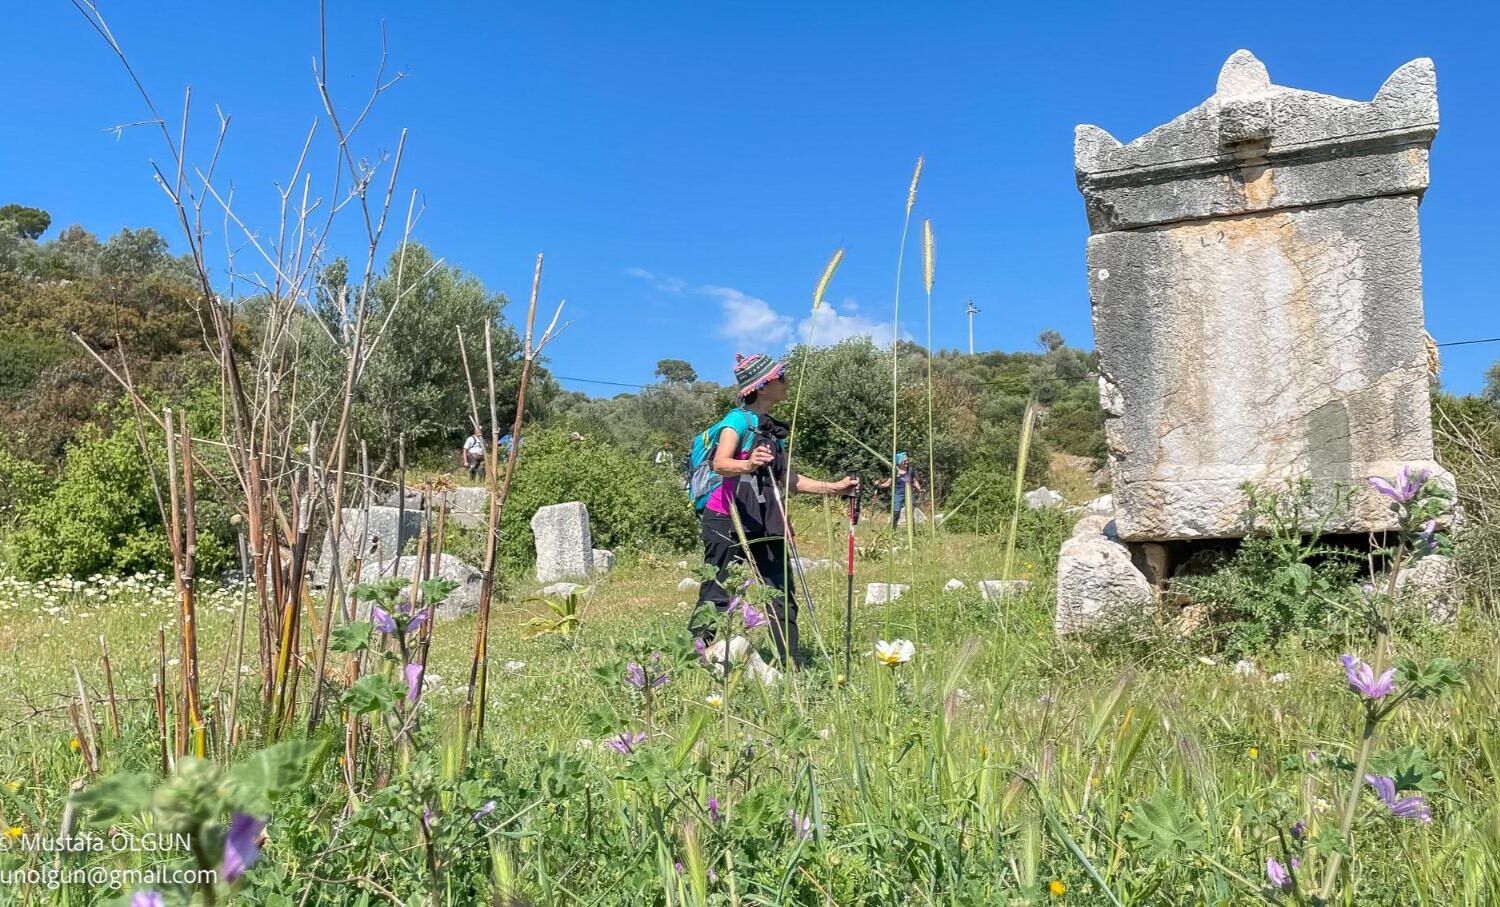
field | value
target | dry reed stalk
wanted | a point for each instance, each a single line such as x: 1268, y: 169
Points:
x: 86, y: 714
x: 90, y: 761
x: 911, y: 200
x: 1028, y: 425
x: 478, y: 670
x: 812, y: 325
x: 109, y: 687
x: 161, y: 699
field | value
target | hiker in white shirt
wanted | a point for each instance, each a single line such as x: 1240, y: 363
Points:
x: 474, y: 454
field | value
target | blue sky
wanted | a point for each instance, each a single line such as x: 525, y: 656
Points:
x: 689, y: 167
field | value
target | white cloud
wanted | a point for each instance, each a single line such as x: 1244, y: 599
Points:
x: 665, y: 283
x: 752, y: 324
x: 829, y: 326
x: 748, y: 320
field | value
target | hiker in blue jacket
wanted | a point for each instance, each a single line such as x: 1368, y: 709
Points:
x: 906, y: 483
x: 748, y: 454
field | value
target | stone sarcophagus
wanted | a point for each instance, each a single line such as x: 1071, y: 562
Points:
x: 1256, y: 281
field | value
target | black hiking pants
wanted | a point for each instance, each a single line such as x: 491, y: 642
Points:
x: 721, y: 547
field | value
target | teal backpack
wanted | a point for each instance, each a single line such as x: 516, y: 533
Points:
x: 702, y: 480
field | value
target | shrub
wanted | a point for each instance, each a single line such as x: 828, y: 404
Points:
x: 22, y: 484
x: 102, y: 516
x: 1284, y: 580
x: 632, y: 505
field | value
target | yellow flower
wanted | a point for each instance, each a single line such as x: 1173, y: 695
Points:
x: 984, y: 752
x: 714, y: 700
x: 1321, y: 806
x: 12, y: 786
x: 1094, y: 781
x: 14, y: 832
x: 74, y: 744
x: 1056, y: 888
x: 1254, y: 752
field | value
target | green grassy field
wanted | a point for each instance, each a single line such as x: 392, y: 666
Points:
x: 998, y: 766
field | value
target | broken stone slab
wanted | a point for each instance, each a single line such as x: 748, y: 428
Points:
x: 1043, y: 498
x: 383, y: 537
x: 1105, y: 503
x: 1434, y: 585
x: 563, y: 548
x: 883, y: 593
x: 953, y: 585
x: 1266, y: 324
x: 687, y: 584
x: 741, y: 652
x: 561, y: 590
x: 468, y: 505
x: 464, y: 599
x: 994, y: 590
x: 1097, y: 583
x: 809, y: 564
x: 604, y: 560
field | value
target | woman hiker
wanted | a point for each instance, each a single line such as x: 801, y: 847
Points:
x: 906, y: 483
x: 750, y: 454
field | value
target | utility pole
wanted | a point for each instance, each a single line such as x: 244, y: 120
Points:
x: 973, y: 310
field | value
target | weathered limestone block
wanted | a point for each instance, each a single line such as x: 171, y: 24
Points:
x: 462, y: 600
x: 688, y: 584
x: 884, y: 593
x: 604, y: 560
x: 561, y: 590
x: 953, y: 585
x: 994, y: 590
x: 1042, y: 498
x: 1097, y: 584
x: 387, y: 532
x: 1434, y: 585
x: 1255, y: 274
x: 563, y: 547
x: 468, y: 505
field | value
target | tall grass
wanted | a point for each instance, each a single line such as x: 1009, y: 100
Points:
x: 929, y: 264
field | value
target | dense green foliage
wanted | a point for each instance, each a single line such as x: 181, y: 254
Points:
x: 633, y: 505
x: 102, y: 515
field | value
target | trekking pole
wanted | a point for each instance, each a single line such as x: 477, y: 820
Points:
x: 796, y: 556
x: 849, y: 602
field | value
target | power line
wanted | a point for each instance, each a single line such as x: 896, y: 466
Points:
x: 1026, y: 380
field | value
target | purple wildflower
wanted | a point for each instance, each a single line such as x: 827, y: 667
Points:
x: 147, y: 899
x: 1413, y: 807
x: 1277, y: 874
x: 1406, y: 487
x: 801, y: 824
x: 413, y: 681
x: 1362, y: 678
x: 427, y: 815
x: 625, y: 743
x: 418, y: 619
x: 635, y: 675
x: 241, y: 846
x: 700, y: 647
x: 752, y: 617
x: 1427, y: 538
x: 679, y: 867
x: 1299, y: 830
x: 713, y: 809
x: 383, y: 620
x: 486, y: 809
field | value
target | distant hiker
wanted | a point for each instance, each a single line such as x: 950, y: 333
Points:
x: 735, y: 463
x: 906, y: 482
x: 474, y: 454
x: 663, y: 454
